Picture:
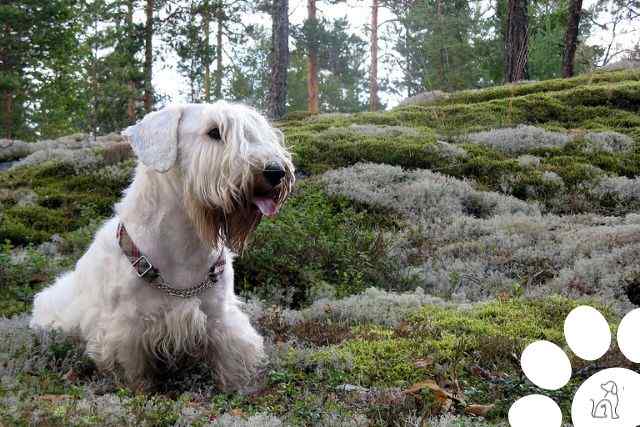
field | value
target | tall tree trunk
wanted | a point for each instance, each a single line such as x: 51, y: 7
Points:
x: 277, y: 105
x: 93, y: 117
x: 206, y: 20
x: 408, y: 80
x: 571, y: 38
x: 374, y: 102
x: 517, y: 41
x: 313, y: 104
x: 7, y: 113
x: 7, y: 65
x: 219, y: 71
x: 148, y: 56
x: 444, y: 54
x: 131, y: 85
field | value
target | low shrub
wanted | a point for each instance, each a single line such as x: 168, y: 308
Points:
x: 316, y: 240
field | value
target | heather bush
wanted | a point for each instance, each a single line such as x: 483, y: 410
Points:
x: 618, y: 187
x: 79, y: 150
x: 35, y: 352
x: 418, y: 193
x: 119, y: 172
x: 327, y: 117
x: 15, y: 149
x: 12, y: 150
x: 383, y: 131
x: 373, y: 306
x: 258, y: 420
x: 552, y: 177
x: 520, y: 139
x: 476, y: 244
x: 610, y: 142
x: 450, y: 151
x: 80, y: 159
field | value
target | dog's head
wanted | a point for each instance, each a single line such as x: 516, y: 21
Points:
x: 233, y: 165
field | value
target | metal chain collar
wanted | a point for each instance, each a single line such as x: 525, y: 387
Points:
x: 146, y: 271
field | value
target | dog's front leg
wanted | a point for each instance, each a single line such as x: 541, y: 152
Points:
x: 119, y: 348
x: 236, y: 348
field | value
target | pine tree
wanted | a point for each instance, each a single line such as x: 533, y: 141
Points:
x: 35, y: 37
x: 435, y: 44
x: 277, y: 103
x: 517, y: 41
x: 221, y: 18
x: 116, y: 79
x: 342, y: 80
x: 149, y: 10
x: 312, y: 58
x: 571, y: 38
x: 374, y: 102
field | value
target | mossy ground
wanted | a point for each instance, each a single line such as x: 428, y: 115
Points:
x: 438, y: 358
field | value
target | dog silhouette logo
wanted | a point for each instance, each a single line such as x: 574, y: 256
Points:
x: 607, y: 407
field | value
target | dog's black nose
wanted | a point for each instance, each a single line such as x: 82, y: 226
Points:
x: 273, y: 173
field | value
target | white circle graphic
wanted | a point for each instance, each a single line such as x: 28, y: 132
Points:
x: 587, y: 333
x: 535, y: 410
x: 607, y: 398
x: 628, y: 335
x: 546, y: 365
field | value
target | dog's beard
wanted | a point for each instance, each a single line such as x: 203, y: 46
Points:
x: 232, y: 220
x: 216, y: 227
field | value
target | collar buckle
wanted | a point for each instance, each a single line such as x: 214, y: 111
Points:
x: 146, y: 271
x: 144, y: 263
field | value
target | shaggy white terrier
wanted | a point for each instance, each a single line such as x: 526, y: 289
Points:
x: 206, y: 175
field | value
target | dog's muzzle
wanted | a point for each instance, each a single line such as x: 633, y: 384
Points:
x: 268, y: 199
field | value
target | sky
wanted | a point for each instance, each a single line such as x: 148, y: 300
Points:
x: 167, y: 81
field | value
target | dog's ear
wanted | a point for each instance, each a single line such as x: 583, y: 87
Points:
x: 155, y: 138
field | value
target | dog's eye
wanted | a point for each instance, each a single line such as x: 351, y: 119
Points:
x: 215, y: 134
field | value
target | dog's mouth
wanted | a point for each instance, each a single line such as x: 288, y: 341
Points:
x: 267, y: 204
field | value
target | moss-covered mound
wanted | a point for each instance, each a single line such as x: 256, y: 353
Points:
x: 458, y: 137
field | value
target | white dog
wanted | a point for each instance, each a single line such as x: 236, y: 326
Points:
x: 155, y: 288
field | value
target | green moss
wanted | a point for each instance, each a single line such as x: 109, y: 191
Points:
x: 67, y: 200
x: 572, y: 171
x: 554, y: 85
x: 338, y: 147
x: 488, y: 334
x: 444, y: 344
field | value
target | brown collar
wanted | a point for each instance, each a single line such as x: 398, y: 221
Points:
x: 146, y: 271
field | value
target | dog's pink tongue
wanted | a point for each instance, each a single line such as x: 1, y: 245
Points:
x: 266, y: 205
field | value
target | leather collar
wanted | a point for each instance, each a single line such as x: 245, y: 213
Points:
x: 148, y: 272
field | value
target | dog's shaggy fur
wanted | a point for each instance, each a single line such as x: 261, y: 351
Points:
x: 193, y: 199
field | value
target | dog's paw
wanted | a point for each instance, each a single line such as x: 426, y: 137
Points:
x: 606, y: 398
